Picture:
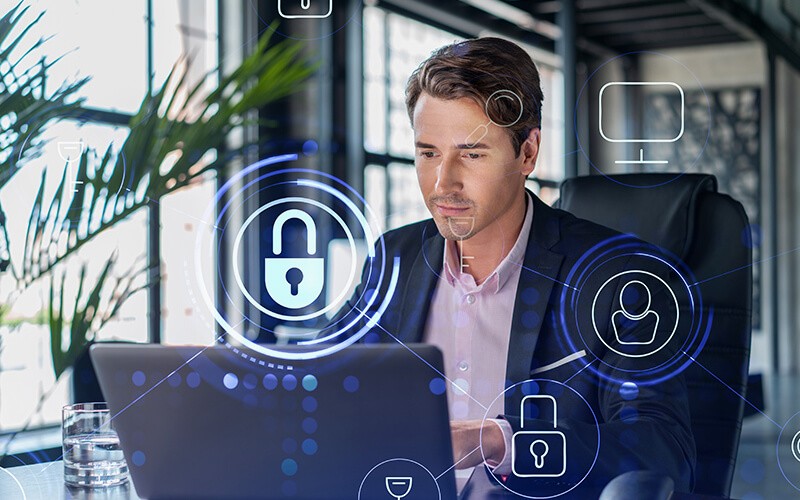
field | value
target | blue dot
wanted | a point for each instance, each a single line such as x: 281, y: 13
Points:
x: 368, y: 294
x: 174, y: 380
x: 309, y: 425
x: 529, y: 388
x: 351, y: 384
x: 289, y: 467
x: 752, y: 471
x: 289, y: 445
x: 309, y: 446
x: 230, y: 380
x: 309, y: 404
x: 250, y: 381
x: 371, y: 338
x: 629, y: 415
x: 752, y: 236
x: 193, y: 380
x: 530, y: 296
x: 438, y: 386
x: 270, y: 382
x: 138, y: 378
x: 310, y: 148
x: 530, y: 319
x: 289, y: 488
x: 138, y: 458
x: 309, y: 382
x: 629, y: 391
x: 289, y: 382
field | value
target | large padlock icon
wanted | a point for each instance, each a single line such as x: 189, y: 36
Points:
x: 305, y: 9
x: 538, y: 453
x: 294, y: 282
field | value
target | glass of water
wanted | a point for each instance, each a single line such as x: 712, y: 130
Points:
x: 92, y: 454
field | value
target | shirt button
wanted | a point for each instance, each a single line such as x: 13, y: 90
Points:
x: 463, y: 366
x: 470, y: 299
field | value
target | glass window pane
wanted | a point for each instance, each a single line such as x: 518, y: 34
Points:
x: 185, y: 316
x: 104, y: 40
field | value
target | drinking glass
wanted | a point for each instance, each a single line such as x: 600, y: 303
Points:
x: 92, y: 454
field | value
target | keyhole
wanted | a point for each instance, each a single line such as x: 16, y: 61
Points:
x: 294, y: 276
x: 538, y: 457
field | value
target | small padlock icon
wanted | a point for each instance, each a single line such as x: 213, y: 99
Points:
x: 294, y: 282
x: 538, y: 453
x: 305, y: 9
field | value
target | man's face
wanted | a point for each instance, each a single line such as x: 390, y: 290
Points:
x: 467, y: 187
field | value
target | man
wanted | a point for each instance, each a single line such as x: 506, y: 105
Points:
x: 482, y: 280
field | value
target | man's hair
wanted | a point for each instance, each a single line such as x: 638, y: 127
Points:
x: 476, y: 69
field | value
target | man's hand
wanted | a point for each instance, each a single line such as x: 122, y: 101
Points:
x: 467, y: 440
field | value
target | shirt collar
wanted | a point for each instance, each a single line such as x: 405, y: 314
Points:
x: 509, y: 265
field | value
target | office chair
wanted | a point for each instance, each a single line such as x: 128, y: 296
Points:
x: 709, y: 232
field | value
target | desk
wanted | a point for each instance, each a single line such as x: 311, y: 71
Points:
x: 46, y: 482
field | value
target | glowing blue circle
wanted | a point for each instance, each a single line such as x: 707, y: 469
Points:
x: 310, y: 447
x: 629, y: 391
x: 289, y: 382
x: 438, y: 386
x: 309, y: 425
x: 289, y: 467
x: 309, y: 383
x: 309, y: 404
x: 310, y: 148
x: 193, y: 380
x: 230, y: 381
x: 138, y: 458
x: 351, y: 384
x: 270, y: 382
x: 138, y: 378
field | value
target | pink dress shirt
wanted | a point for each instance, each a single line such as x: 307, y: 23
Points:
x: 471, y: 324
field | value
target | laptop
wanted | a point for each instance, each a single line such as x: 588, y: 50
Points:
x: 369, y: 421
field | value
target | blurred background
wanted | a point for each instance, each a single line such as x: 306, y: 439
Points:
x: 144, y: 108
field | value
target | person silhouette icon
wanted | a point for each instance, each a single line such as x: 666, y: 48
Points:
x: 631, y: 328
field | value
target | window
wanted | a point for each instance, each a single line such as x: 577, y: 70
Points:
x: 109, y: 42
x: 394, y: 46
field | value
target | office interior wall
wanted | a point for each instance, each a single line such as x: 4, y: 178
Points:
x: 787, y: 162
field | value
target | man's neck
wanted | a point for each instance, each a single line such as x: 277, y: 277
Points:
x: 485, y: 251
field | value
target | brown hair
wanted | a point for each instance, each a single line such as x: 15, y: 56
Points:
x: 477, y: 69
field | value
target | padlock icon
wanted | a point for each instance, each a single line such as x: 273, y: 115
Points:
x: 538, y: 453
x: 305, y: 9
x: 294, y: 282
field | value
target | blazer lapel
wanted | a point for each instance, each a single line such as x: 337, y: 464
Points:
x: 423, y: 275
x: 539, y: 273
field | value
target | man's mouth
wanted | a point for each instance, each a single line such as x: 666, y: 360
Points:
x: 451, y: 210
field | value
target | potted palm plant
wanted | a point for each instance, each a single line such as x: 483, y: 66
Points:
x: 182, y: 121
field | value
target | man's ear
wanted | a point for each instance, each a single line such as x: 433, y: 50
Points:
x: 529, y: 150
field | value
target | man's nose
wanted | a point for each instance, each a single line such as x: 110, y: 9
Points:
x: 448, y: 178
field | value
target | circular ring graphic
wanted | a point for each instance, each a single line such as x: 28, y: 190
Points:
x: 787, y: 451
x: 410, y: 482
x: 299, y: 317
x: 582, y: 133
x: 539, y: 383
x: 379, y: 276
x: 579, y: 326
x: 642, y: 315
x: 509, y: 95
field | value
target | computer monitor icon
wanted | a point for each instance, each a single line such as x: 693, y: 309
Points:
x: 608, y: 133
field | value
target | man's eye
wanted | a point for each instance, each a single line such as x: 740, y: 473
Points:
x: 474, y: 156
x: 427, y: 154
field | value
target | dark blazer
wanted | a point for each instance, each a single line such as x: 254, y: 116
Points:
x: 651, y: 431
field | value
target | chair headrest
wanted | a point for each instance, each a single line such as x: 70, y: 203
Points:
x: 656, y: 208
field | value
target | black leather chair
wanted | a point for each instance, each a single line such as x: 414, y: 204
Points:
x: 709, y: 232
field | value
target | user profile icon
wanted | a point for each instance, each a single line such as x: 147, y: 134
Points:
x: 646, y: 320
x: 639, y: 328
